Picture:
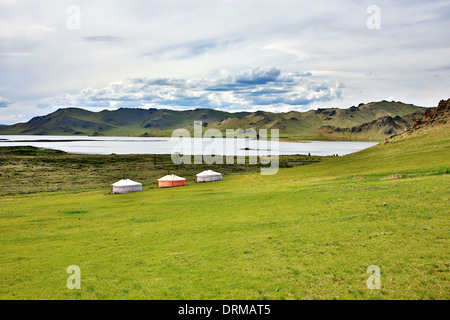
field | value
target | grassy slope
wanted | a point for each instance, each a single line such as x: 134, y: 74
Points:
x: 306, y: 233
x: 30, y: 170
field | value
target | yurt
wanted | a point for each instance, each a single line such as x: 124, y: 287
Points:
x: 171, y: 180
x: 126, y: 186
x: 208, y: 176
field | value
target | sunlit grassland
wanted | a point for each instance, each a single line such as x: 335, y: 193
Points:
x: 29, y: 170
x: 308, y: 232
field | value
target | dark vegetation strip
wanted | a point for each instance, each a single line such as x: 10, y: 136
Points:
x: 30, y: 170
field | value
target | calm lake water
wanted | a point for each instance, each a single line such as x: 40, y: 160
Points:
x: 187, y: 146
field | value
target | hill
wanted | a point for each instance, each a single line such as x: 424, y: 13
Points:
x: 375, y: 130
x: 432, y: 119
x: 292, y: 125
x: 308, y: 232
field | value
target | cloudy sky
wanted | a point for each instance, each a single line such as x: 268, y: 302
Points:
x: 224, y: 54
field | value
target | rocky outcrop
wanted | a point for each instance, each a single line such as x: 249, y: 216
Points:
x: 436, y: 116
x: 433, y: 117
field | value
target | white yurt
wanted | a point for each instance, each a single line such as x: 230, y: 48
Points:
x: 126, y: 186
x: 208, y: 176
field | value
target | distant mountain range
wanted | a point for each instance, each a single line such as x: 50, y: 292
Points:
x: 371, y: 121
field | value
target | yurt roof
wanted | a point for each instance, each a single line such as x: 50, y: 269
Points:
x: 125, y: 183
x: 209, y: 173
x: 171, y: 177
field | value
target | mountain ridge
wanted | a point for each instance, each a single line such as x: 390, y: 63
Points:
x: 161, y: 122
x: 432, y: 119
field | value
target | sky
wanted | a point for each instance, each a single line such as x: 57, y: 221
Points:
x: 230, y: 55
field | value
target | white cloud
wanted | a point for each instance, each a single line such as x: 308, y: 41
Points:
x: 197, y: 40
x: 260, y: 88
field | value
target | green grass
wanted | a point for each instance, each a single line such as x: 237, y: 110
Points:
x: 309, y: 232
x: 29, y: 170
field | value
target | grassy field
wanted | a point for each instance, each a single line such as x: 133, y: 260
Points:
x: 30, y: 170
x: 309, y: 232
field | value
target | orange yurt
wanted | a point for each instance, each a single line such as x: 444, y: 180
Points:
x: 171, y: 180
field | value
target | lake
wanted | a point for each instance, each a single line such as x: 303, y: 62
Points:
x: 187, y: 146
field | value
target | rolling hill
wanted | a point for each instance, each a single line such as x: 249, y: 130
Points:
x: 372, y: 121
x: 377, y: 129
